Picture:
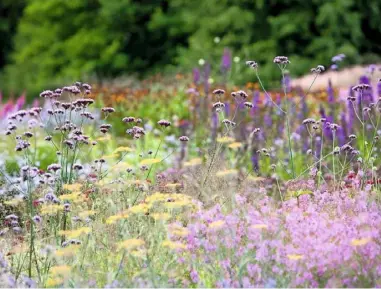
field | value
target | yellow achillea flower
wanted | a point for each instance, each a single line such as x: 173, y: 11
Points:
x: 86, y: 214
x: 131, y: 244
x: 180, y: 231
x: 102, y: 138
x: 225, y: 139
x: 259, y: 226
x: 75, y: 233
x: 140, y: 208
x: 235, y: 145
x: 161, y: 216
x: 360, y: 242
x: 67, y: 251
x: 13, y: 202
x: 193, y: 162
x: 123, y: 149
x: 111, y: 156
x: 50, y: 209
x: 113, y: 219
x: 217, y: 224
x: 156, y: 197
x: 62, y: 270
x: 72, y: 187
x: 295, y: 257
x: 149, y: 161
x: 225, y: 173
x: 138, y: 253
x: 70, y: 197
x: 53, y: 282
x: 174, y: 245
x: 177, y: 204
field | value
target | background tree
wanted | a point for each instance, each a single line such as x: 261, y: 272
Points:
x: 59, y: 41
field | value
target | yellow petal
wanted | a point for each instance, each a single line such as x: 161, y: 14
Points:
x: 123, y: 149
x: 225, y: 139
x: 149, y: 161
x: 360, y: 242
x: 295, y: 257
x: 235, y: 145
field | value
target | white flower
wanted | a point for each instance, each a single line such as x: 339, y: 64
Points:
x: 217, y: 39
x: 236, y: 59
x: 201, y: 62
x: 210, y: 80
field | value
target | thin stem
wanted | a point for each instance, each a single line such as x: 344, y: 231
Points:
x: 333, y: 158
x: 268, y: 96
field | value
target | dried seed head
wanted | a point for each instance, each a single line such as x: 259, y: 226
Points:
x: 334, y: 126
x: 46, y: 93
x: 218, y: 105
x: 86, y: 86
x: 128, y: 119
x: 352, y: 136
x: 28, y: 134
x: 66, y: 207
x: 108, y: 110
x: 78, y: 167
x: 242, y: 94
x: 54, y: 167
x: 252, y: 64
x: 164, y: 123
x: 184, y: 138
x: 228, y: 122
x: 219, y: 92
x: 309, y: 121
x: 249, y: 104
x: 37, y: 219
x: 361, y: 87
x: 281, y: 60
x: 144, y: 168
x: 318, y: 69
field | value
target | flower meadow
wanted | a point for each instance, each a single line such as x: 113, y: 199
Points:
x: 193, y: 184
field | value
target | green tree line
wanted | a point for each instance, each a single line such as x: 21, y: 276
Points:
x: 48, y: 42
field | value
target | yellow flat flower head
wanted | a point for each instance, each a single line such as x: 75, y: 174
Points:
x: 193, y: 162
x: 295, y: 257
x: 259, y: 226
x: 72, y: 187
x: 360, y: 242
x: 235, y: 145
x: 62, y: 270
x: 225, y: 139
x: 124, y: 149
x: 149, y: 161
x: 75, y: 233
x: 174, y: 245
x: 217, y: 224
x: 131, y: 244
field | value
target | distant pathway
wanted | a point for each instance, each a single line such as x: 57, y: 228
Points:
x: 340, y: 79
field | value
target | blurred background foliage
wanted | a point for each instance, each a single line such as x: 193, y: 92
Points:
x: 46, y: 43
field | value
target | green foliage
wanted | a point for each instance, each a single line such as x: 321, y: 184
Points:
x: 61, y: 41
